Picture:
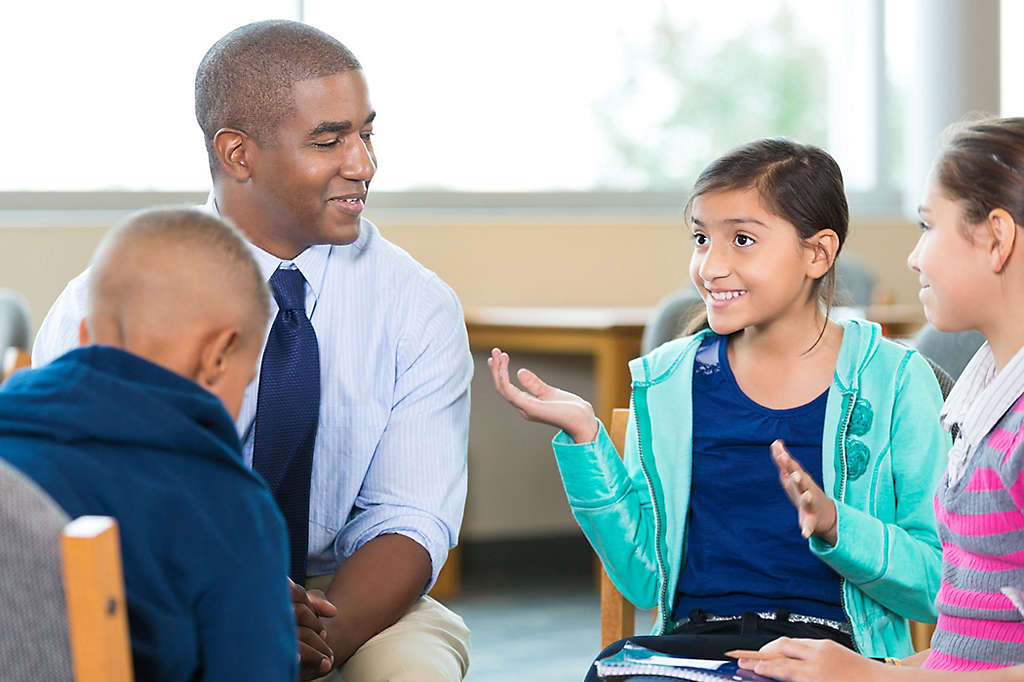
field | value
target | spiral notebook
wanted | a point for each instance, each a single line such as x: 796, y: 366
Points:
x: 637, y: 662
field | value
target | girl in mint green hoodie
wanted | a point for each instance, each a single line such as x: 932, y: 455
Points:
x: 694, y: 521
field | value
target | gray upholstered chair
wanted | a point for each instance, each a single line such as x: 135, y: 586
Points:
x: 33, y: 630
x: 855, y: 283
x: 15, y: 337
x: 15, y: 329
x: 670, y: 317
x: 949, y: 350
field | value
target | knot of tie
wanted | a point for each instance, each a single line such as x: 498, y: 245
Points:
x: 289, y: 289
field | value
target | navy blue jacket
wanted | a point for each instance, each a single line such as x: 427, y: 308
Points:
x: 203, y: 544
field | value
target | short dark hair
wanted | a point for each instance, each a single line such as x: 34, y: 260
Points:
x: 202, y: 235
x: 245, y: 80
x: 982, y: 164
x: 799, y: 183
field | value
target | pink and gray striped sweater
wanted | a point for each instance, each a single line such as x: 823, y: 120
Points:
x: 980, y: 513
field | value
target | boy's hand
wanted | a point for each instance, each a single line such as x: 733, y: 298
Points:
x: 315, y: 657
x: 817, y: 511
x: 547, y: 404
x: 812, y: 660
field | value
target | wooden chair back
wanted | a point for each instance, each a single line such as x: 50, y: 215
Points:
x: 94, y: 592
x: 617, y: 614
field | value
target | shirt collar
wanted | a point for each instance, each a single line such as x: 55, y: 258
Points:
x: 981, y: 396
x: 312, y: 262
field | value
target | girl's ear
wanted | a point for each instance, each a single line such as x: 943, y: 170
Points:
x: 1002, y: 230
x: 824, y: 246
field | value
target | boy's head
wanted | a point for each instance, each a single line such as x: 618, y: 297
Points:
x: 180, y: 288
x: 286, y: 115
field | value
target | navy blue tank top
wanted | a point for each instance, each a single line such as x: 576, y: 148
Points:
x: 744, y: 548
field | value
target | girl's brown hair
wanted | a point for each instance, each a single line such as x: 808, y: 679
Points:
x: 982, y: 164
x: 799, y: 183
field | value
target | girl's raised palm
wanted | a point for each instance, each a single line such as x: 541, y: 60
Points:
x: 543, y: 403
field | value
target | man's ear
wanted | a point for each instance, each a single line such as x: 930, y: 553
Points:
x: 1002, y: 230
x: 83, y: 333
x: 233, y: 148
x: 215, y: 356
x: 825, y: 246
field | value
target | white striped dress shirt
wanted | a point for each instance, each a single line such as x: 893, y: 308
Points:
x: 390, y: 452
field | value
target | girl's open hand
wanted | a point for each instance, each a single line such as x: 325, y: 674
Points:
x: 543, y: 403
x: 817, y: 511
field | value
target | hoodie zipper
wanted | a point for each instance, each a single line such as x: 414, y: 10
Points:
x: 659, y: 559
x: 842, y: 495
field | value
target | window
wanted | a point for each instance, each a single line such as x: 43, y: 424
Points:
x: 1011, y: 69
x: 534, y: 96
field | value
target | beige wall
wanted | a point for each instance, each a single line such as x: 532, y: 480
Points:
x: 547, y: 262
x: 514, y: 488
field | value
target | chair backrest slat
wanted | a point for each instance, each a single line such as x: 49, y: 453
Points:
x: 617, y: 614
x: 94, y: 591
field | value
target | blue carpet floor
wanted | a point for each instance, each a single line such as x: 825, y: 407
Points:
x: 533, y: 633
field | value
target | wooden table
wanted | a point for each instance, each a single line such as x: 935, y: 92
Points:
x: 610, y: 336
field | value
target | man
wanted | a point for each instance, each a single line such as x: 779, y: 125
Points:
x: 372, y: 345
x: 137, y: 427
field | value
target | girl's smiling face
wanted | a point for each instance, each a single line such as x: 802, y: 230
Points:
x: 951, y: 268
x: 749, y: 265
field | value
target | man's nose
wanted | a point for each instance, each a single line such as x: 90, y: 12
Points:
x: 359, y: 163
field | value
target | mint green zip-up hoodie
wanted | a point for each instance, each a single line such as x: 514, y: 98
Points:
x: 883, y: 452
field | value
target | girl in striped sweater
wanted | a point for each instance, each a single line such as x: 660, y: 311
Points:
x: 970, y: 261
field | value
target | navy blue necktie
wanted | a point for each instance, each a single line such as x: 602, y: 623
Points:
x: 287, y: 411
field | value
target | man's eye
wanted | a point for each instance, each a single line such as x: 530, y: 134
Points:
x: 325, y: 145
x: 743, y: 240
x: 366, y: 136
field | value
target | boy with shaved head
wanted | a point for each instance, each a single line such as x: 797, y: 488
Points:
x: 139, y: 426
x: 359, y: 417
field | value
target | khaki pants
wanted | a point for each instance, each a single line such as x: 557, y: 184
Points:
x: 428, y: 644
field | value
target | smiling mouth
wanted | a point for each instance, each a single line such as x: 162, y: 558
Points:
x: 722, y: 296
x: 351, y: 205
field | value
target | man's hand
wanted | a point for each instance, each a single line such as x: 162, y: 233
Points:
x: 817, y: 511
x: 813, y: 660
x: 543, y: 403
x: 315, y: 657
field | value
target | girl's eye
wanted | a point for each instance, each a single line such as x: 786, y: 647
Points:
x: 743, y: 240
x: 924, y: 226
x: 699, y: 239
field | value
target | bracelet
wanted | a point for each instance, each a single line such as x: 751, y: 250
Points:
x: 889, y: 660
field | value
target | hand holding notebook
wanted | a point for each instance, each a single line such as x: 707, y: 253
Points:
x: 634, y: 660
